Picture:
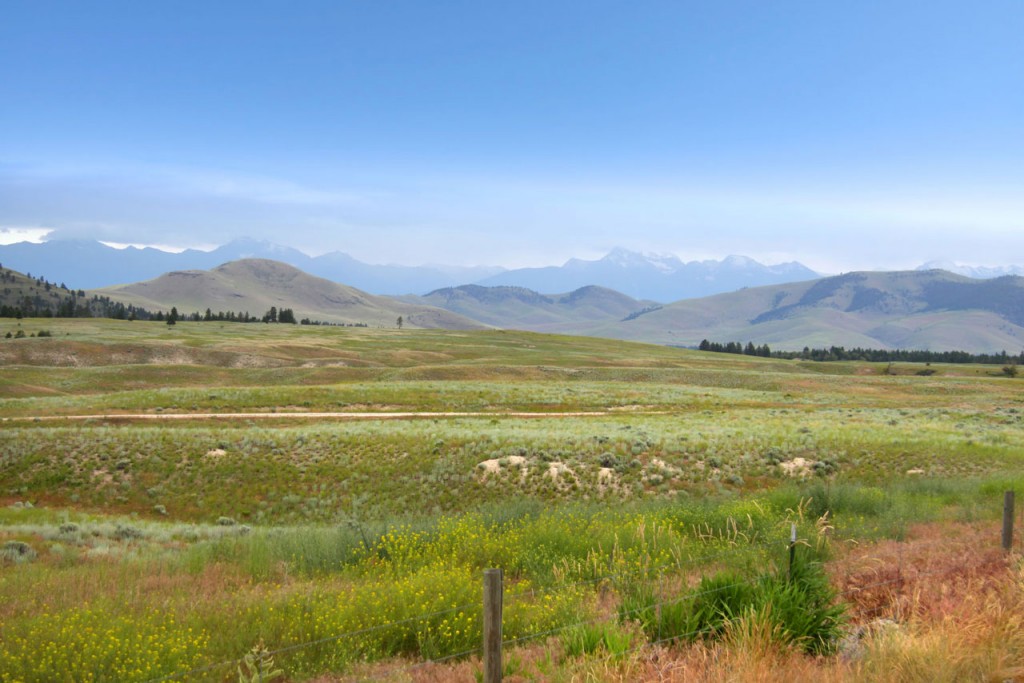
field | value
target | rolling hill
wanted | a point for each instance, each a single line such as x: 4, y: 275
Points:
x: 255, y: 285
x: 929, y: 310
x: 525, y: 309
x: 934, y: 310
x: 91, y: 264
x: 24, y: 295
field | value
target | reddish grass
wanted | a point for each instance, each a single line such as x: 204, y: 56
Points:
x: 955, y: 601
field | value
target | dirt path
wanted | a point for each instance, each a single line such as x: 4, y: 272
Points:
x: 314, y: 416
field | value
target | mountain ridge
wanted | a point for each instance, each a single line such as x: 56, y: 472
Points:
x: 95, y: 265
x: 643, y: 276
x: 929, y: 310
x: 526, y: 309
x: 655, y: 277
x: 925, y: 310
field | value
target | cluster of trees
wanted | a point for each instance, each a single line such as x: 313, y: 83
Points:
x: 10, y: 277
x: 285, y: 315
x: 836, y: 353
x: 38, y: 298
x: 643, y: 311
x: 73, y: 305
x: 307, y: 321
x: 29, y: 297
x: 76, y: 305
x: 20, y: 334
x: 736, y: 347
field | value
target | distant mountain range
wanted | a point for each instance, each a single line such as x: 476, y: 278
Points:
x: 977, y: 272
x: 933, y: 309
x: 651, y: 277
x: 524, y: 309
x: 642, y: 276
x: 254, y: 285
x: 93, y: 265
x: 648, y: 276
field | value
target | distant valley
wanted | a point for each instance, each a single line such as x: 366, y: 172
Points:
x: 933, y: 310
x: 922, y: 309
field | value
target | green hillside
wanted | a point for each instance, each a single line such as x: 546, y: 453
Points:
x: 21, y: 294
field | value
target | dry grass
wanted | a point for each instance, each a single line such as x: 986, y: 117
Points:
x: 944, y: 605
x: 132, y: 585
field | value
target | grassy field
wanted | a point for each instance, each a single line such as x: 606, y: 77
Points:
x: 137, y: 546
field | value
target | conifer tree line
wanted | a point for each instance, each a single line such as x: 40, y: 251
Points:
x: 837, y: 353
x: 44, y: 299
x: 736, y: 347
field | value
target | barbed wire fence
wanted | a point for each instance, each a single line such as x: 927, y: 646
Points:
x: 892, y: 576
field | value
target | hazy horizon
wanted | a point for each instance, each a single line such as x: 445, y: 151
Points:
x: 14, y: 237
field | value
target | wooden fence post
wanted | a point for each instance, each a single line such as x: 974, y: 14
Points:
x: 792, y: 549
x: 492, y: 625
x: 1008, y: 521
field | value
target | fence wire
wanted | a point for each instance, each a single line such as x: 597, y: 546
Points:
x: 693, y: 562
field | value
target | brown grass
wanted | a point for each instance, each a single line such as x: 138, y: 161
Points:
x: 945, y: 605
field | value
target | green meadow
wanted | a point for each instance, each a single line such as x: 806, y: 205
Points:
x: 336, y: 492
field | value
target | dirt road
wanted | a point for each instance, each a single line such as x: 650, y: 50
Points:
x: 312, y: 416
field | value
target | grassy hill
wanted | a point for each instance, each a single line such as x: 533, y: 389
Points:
x: 255, y: 285
x: 933, y: 309
x: 34, y: 295
x: 525, y: 309
x: 172, y: 495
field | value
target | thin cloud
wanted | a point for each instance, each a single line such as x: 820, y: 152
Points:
x: 14, y: 234
x: 255, y: 188
x: 194, y: 181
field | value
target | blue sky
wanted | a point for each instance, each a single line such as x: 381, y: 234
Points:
x: 843, y: 135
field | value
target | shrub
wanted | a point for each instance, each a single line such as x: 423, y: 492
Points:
x: 712, y: 603
x: 586, y: 639
x: 127, y: 533
x: 17, y: 551
x: 611, y: 460
x: 803, y: 606
x: 799, y: 610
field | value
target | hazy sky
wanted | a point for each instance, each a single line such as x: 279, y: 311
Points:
x: 845, y: 135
